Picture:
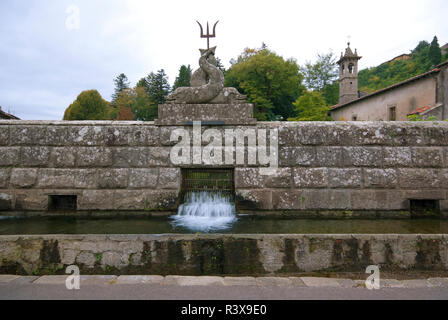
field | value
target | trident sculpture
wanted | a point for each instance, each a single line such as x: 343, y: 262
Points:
x: 208, y: 35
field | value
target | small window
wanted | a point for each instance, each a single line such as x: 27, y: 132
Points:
x: 393, y: 113
x: 424, y: 208
x: 350, y: 68
x: 354, y: 117
x: 62, y: 202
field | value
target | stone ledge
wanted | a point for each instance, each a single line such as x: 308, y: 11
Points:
x: 186, y: 281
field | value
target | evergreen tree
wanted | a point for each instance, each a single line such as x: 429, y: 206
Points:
x: 184, y: 77
x: 121, y: 82
x: 158, y: 87
x: 435, y: 53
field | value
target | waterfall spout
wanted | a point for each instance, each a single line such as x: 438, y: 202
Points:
x: 206, y: 212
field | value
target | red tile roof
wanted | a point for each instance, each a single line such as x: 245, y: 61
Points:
x: 424, y: 109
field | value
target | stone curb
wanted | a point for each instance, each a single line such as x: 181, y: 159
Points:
x: 186, y: 281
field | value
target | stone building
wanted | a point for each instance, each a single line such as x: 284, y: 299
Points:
x: 425, y: 94
x: 7, y: 116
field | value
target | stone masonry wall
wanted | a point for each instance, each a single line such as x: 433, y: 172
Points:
x: 333, y: 169
x: 220, y: 254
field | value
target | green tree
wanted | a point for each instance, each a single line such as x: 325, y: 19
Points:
x: 435, y: 53
x: 121, y: 83
x: 331, y: 93
x: 143, y: 108
x: 184, y: 77
x: 89, y: 105
x: 321, y: 73
x: 269, y: 81
x: 311, y: 106
x: 157, y: 86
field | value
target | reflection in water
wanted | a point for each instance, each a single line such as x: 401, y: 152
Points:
x: 206, y: 212
x: 240, y: 225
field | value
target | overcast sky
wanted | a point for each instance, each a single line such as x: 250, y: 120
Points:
x: 48, y: 55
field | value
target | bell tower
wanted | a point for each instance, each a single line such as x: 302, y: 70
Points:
x: 348, y: 75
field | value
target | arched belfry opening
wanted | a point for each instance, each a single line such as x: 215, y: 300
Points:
x: 348, y: 75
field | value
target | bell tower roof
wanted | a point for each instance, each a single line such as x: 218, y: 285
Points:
x: 349, y: 54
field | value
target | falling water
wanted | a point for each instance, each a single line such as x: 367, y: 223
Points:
x: 206, y: 212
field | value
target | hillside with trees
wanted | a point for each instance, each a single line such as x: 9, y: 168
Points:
x: 422, y: 59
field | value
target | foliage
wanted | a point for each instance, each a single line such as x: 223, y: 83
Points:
x: 89, y: 105
x: 311, y: 106
x: 418, y: 117
x: 392, y: 72
x: 320, y: 74
x: 156, y: 86
x: 435, y: 53
x: 121, y: 83
x: 143, y: 108
x: 125, y: 113
x: 269, y: 81
x: 184, y: 77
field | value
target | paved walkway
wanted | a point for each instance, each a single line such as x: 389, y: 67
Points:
x: 221, y: 288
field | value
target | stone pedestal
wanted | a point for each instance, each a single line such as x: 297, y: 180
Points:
x: 224, y: 114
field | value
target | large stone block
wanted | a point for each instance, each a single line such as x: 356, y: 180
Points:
x: 55, y: 178
x: 315, y: 135
x: 143, y: 178
x: 344, y: 178
x: 130, y: 200
x: 9, y: 156
x: 407, y: 134
x: 368, y: 133
x: 413, y: 178
x: 297, y: 156
x: 436, y: 135
x: 93, y: 157
x: 32, y: 200
x: 127, y: 157
x: 310, y: 177
x: 288, y: 136
x: 165, y: 134
x: 28, y: 135
x: 254, y: 199
x: 96, y: 200
x: 113, y: 178
x: 159, y: 156
x: 169, y: 178
x: 86, y: 135
x: 397, y: 157
x: 380, y: 178
x: 85, y: 178
x: 23, y: 178
x: 248, y: 178
x: 57, y: 136
x: 329, y: 157
x: 162, y: 200
x: 286, y: 199
x: 429, y: 157
x: 363, y: 156
x: 4, y: 177
x: 281, y: 178
x: 369, y: 200
x: 4, y: 135
x: 326, y: 199
x: 141, y: 135
x: 62, y: 157
x: 180, y: 114
x: 35, y: 156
